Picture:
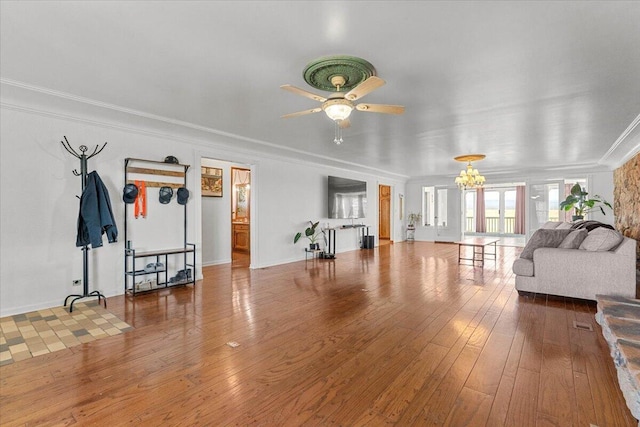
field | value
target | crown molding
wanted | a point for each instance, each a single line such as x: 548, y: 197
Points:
x: 625, y: 147
x: 21, y: 96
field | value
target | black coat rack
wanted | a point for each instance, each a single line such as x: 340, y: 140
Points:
x: 85, y: 249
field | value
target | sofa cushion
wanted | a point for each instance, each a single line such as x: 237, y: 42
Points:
x: 543, y: 238
x: 564, y: 226
x: 523, y: 267
x: 550, y: 225
x: 601, y: 240
x: 574, y: 239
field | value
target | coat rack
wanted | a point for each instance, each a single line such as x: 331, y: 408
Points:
x: 85, y: 249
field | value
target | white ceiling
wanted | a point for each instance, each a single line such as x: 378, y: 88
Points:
x: 533, y: 85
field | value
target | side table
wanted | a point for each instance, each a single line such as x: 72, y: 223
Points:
x: 411, y: 234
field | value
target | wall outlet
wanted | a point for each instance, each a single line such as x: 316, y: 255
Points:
x: 77, y: 282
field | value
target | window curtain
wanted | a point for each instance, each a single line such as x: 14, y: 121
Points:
x: 520, y: 211
x: 566, y: 216
x: 480, y: 217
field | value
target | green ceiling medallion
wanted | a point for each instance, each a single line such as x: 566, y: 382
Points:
x: 319, y: 72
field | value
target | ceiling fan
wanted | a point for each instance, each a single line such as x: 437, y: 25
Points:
x: 339, y: 105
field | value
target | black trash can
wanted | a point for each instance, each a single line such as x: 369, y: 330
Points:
x: 368, y: 242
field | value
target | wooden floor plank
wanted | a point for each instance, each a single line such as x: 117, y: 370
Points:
x: 524, y: 400
x: 605, y: 393
x: 444, y: 397
x: 415, y: 411
x: 501, y: 401
x: 399, y: 335
x: 487, y: 372
x: 471, y: 409
x: 586, y: 414
x: 392, y: 402
x: 557, y: 391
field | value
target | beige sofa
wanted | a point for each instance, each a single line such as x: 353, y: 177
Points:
x: 579, y: 273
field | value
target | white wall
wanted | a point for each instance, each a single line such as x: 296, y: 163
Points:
x: 216, y: 218
x: 601, y: 183
x: 38, y: 257
x: 285, y: 195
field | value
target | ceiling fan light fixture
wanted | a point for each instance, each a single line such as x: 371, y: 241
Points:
x: 337, y: 109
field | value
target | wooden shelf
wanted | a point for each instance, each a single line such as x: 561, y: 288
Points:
x: 162, y: 252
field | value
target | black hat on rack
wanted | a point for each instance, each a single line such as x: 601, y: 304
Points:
x: 183, y: 196
x: 166, y: 193
x: 171, y: 159
x: 129, y: 193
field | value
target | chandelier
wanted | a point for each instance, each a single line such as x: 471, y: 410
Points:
x: 469, y: 178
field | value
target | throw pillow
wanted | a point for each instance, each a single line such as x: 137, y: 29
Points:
x: 574, y: 239
x: 564, y: 226
x: 543, y: 238
x: 550, y: 225
x: 601, y: 240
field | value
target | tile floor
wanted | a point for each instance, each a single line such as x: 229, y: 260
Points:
x: 44, y: 331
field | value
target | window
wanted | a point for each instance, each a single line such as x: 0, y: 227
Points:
x: 499, y: 210
x: 442, y: 207
x: 509, y: 220
x: 470, y: 211
x: 428, y: 214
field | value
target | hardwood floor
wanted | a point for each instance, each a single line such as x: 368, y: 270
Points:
x: 400, y: 335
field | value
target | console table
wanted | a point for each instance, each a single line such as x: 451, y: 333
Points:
x: 479, y: 253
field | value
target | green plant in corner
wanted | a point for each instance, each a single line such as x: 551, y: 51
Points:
x: 412, y: 219
x: 310, y: 233
x: 579, y: 201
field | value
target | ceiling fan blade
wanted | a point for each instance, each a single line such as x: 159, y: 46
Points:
x: 367, y: 86
x: 303, y: 92
x: 302, y: 113
x: 380, y: 108
x: 343, y: 124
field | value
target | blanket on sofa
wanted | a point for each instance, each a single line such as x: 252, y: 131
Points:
x: 590, y: 225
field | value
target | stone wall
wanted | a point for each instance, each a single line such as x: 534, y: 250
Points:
x: 626, y: 198
x: 626, y: 204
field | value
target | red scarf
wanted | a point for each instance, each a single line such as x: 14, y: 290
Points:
x: 141, y: 200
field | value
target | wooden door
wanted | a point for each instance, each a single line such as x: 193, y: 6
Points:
x: 240, y: 211
x: 384, y: 212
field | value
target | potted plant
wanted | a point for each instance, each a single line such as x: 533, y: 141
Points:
x: 310, y: 233
x: 412, y: 219
x: 579, y: 201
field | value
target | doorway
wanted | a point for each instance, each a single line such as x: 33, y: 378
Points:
x: 439, y: 207
x: 384, y: 214
x: 240, y: 217
x: 496, y: 211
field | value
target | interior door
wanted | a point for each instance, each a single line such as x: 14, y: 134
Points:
x: 384, y: 211
x: 543, y: 204
x: 448, y: 214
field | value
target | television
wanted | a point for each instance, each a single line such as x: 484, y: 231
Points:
x: 347, y: 198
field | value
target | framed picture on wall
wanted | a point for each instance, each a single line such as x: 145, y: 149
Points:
x: 211, y: 179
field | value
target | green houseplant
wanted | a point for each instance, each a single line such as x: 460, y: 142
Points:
x: 312, y: 233
x: 412, y: 219
x: 579, y: 201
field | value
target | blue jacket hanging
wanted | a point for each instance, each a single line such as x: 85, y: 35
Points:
x: 96, y: 217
